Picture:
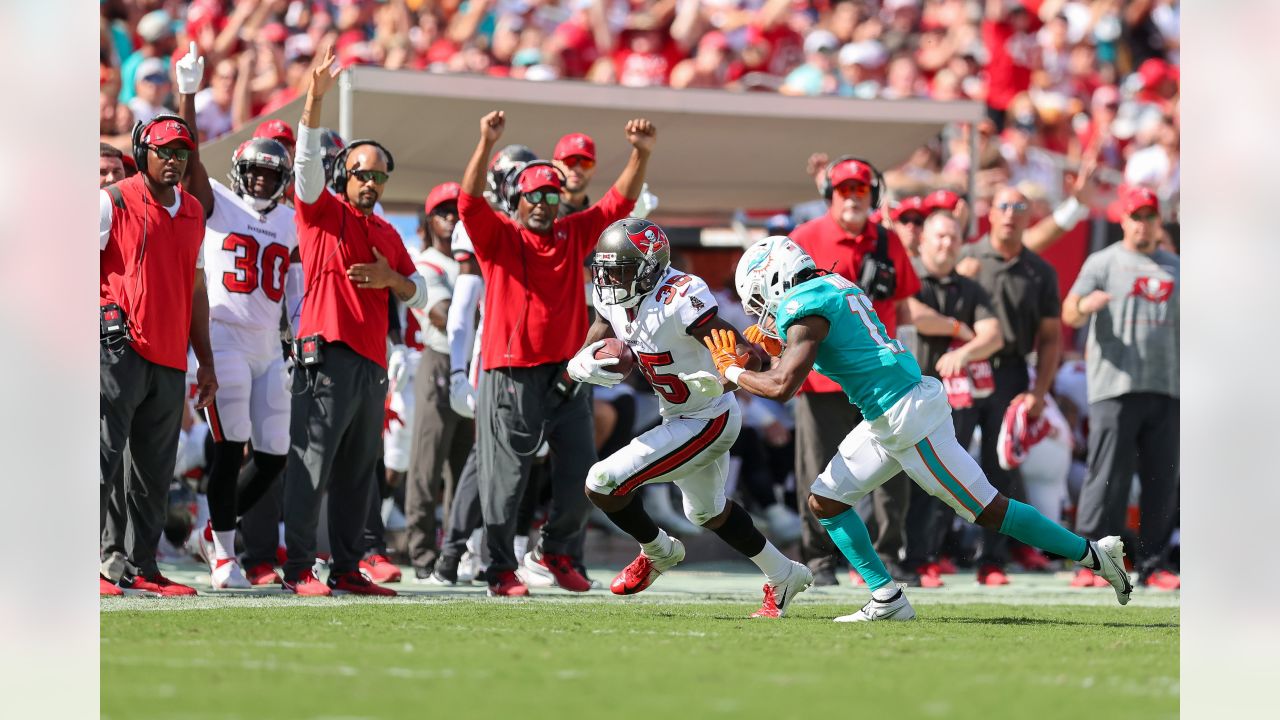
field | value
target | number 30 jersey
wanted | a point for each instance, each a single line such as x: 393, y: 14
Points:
x: 873, y: 369
x: 657, y: 331
x: 246, y: 258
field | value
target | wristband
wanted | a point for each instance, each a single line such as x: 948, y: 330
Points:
x: 955, y: 327
x: 732, y: 373
x: 1070, y: 213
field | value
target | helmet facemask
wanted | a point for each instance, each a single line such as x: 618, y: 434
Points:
x: 624, y: 282
x: 266, y: 154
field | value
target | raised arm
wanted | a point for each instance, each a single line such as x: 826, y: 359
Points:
x: 491, y: 127
x: 308, y: 164
x: 190, y: 70
x: 642, y: 135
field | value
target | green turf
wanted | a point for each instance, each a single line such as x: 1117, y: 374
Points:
x: 581, y: 658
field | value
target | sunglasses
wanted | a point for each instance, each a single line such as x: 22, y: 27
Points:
x: 911, y: 220
x: 377, y: 176
x: 168, y: 153
x: 577, y: 161
x: 856, y: 189
x: 551, y: 197
x: 1147, y: 216
x: 445, y: 210
x: 1012, y: 206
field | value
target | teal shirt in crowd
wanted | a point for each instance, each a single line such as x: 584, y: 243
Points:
x: 873, y: 369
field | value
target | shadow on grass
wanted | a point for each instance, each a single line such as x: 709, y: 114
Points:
x: 1045, y: 621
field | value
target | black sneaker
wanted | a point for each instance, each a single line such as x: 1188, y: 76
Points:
x: 444, y: 573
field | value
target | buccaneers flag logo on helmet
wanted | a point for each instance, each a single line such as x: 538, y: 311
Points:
x: 649, y: 239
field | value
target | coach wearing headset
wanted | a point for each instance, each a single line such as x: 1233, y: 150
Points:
x: 535, y: 319
x: 351, y: 258
x: 152, y: 303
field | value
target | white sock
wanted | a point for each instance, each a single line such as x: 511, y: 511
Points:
x: 772, y: 563
x: 202, y: 511
x: 1090, y: 559
x: 884, y: 593
x: 521, y: 547
x: 280, y: 534
x: 661, y: 546
x: 224, y: 544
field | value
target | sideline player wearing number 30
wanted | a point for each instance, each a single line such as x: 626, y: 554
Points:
x: 663, y: 315
x: 829, y: 326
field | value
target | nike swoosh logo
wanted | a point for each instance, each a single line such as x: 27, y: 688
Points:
x: 782, y: 600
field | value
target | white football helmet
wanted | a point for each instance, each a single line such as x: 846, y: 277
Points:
x: 765, y: 273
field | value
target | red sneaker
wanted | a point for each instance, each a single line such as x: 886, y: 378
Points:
x: 642, y: 571
x: 992, y: 575
x: 1030, y: 558
x: 263, y: 574
x: 156, y: 585
x: 946, y: 566
x: 306, y: 584
x: 106, y: 588
x: 1085, y: 577
x: 507, y: 585
x: 378, y: 569
x: 930, y: 575
x: 560, y: 567
x: 282, y: 555
x: 356, y: 583
x: 1162, y: 580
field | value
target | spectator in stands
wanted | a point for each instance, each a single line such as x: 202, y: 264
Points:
x: 860, y: 67
x: 1129, y: 295
x: 817, y: 75
x: 110, y: 165
x: 155, y: 30
x: 215, y: 109
x: 1006, y: 32
x: 152, y: 90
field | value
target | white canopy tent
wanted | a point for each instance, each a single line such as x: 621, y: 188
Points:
x: 717, y: 150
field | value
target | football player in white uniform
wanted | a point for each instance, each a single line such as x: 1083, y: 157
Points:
x: 249, y: 238
x: 662, y: 315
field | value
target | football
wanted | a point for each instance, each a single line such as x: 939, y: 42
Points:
x: 615, y: 348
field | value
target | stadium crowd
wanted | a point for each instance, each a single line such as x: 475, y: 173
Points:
x: 1081, y: 136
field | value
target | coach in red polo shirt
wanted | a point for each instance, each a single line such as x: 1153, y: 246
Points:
x: 839, y: 241
x: 152, y: 302
x: 351, y: 259
x: 535, y: 318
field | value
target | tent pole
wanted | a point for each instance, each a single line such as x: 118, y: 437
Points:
x: 345, y: 106
x: 972, y: 193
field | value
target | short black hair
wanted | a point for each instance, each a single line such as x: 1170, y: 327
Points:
x: 105, y: 150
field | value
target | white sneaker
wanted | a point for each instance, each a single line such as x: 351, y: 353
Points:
x: 468, y: 568
x: 228, y: 575
x: 534, y: 574
x: 777, y: 598
x: 1109, y: 556
x: 895, y: 608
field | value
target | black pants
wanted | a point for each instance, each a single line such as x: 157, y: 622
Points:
x: 260, y: 527
x: 464, y: 512
x: 335, y: 442
x: 1011, y: 380
x: 518, y: 408
x: 1134, y: 432
x: 928, y: 517
x: 442, y: 440
x: 139, y: 406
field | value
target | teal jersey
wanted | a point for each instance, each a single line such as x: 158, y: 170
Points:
x: 873, y: 369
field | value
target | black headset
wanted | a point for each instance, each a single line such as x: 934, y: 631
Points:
x: 339, y: 182
x: 877, y: 180
x: 142, y: 137
x: 511, y: 183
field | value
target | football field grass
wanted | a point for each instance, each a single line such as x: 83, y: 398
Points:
x: 683, y: 649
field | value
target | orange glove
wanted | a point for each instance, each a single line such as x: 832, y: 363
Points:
x: 723, y: 345
x: 771, y: 345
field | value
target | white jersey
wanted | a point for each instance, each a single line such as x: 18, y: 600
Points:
x: 440, y: 273
x: 246, y: 257
x: 657, y: 331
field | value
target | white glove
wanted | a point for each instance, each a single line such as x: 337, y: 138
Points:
x: 190, y: 71
x: 397, y: 366
x: 584, y: 367
x: 703, y: 383
x: 646, y: 203
x: 462, y: 397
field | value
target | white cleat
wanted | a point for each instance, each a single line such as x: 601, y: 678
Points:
x: 1108, y: 555
x: 469, y: 568
x: 777, y: 598
x: 533, y: 573
x: 228, y: 576
x: 895, y: 608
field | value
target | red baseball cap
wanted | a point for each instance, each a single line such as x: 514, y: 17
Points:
x: 914, y: 204
x: 714, y: 40
x: 166, y: 132
x: 579, y: 144
x: 941, y: 200
x: 539, y: 176
x: 442, y: 193
x: 1137, y: 198
x: 276, y: 130
x: 847, y: 170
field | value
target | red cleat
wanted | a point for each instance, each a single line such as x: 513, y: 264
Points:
x: 992, y: 575
x: 560, y: 568
x: 263, y: 574
x: 1030, y: 558
x: 1085, y: 577
x: 106, y: 588
x: 155, y: 585
x: 306, y: 584
x: 356, y: 583
x: 378, y: 569
x: 507, y: 585
x: 946, y: 566
x: 855, y: 579
x: 1162, y: 580
x: 930, y: 575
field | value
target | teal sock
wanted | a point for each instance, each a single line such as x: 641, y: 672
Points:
x: 1025, y: 523
x: 849, y: 534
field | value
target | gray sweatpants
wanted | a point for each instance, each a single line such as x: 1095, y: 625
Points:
x: 140, y: 405
x: 517, y: 410
x: 335, y: 435
x: 442, y: 439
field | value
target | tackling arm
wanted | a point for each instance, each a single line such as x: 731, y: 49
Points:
x: 784, y: 379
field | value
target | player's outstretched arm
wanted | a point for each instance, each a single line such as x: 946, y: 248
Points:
x: 705, y: 331
x: 190, y: 70
x: 786, y: 376
x: 642, y: 135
